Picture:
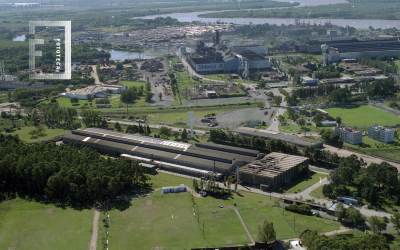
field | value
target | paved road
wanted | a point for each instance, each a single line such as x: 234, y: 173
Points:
x: 274, y: 125
x: 200, y: 132
x: 367, y: 158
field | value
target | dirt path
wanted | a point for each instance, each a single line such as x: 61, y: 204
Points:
x: 244, y: 225
x: 94, y: 75
x: 93, y: 241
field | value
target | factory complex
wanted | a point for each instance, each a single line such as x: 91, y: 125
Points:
x: 198, y: 159
x: 272, y: 170
x: 351, y: 48
x: 236, y: 59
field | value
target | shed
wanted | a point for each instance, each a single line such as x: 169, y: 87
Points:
x: 175, y: 189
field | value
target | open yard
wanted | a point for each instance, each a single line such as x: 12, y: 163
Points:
x: 363, y: 116
x: 24, y: 135
x: 31, y: 225
x: 164, y: 221
x: 302, y: 183
x: 167, y: 221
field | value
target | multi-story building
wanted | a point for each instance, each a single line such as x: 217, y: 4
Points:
x: 380, y: 133
x: 349, y: 135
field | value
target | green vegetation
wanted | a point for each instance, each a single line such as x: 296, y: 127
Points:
x: 302, y: 183
x: 354, y: 9
x: 49, y: 133
x: 317, y: 193
x: 156, y: 220
x: 363, y: 116
x: 32, y: 225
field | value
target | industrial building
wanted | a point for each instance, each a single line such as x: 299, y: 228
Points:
x: 291, y: 139
x: 238, y: 59
x: 349, y: 135
x: 11, y: 85
x: 99, y: 91
x: 273, y: 170
x: 352, y: 49
x: 197, y: 159
x: 380, y: 133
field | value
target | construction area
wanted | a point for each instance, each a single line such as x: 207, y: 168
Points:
x: 152, y: 65
x: 205, y: 91
x: 272, y: 170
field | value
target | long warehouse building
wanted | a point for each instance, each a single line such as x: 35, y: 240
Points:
x: 196, y: 159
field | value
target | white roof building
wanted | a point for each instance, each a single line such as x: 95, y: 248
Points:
x: 380, y: 133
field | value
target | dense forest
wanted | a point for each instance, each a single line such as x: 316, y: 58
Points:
x: 63, y: 173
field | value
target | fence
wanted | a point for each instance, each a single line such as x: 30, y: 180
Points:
x: 197, y: 217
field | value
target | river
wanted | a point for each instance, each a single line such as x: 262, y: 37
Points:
x: 356, y: 23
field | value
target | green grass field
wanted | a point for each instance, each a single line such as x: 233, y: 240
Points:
x: 302, y: 183
x: 317, y: 193
x: 24, y: 135
x: 168, y: 220
x: 363, y: 116
x: 133, y: 83
x: 164, y: 221
x: 66, y: 102
x: 31, y: 225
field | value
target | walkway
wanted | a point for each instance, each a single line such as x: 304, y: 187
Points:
x: 244, y: 225
x: 93, y: 241
x: 94, y: 75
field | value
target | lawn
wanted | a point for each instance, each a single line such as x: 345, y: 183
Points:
x: 302, y: 183
x: 363, y: 116
x: 31, y: 225
x: 164, y: 221
x: 24, y: 135
x: 317, y: 193
x: 283, y: 228
x: 133, y: 83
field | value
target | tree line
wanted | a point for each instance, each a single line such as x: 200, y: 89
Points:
x: 373, y: 183
x: 63, y: 173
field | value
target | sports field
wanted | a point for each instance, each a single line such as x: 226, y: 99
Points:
x: 31, y: 225
x: 363, y: 116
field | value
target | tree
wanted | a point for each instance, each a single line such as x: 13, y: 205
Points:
x: 395, y: 219
x: 377, y: 225
x: 271, y: 94
x: 40, y: 129
x: 281, y: 119
x: 338, y: 121
x: 119, y: 66
x: 301, y: 122
x: 278, y: 100
x: 236, y: 184
x: 318, y: 119
x: 117, y: 127
x: 229, y: 181
x: 159, y: 95
x: 340, y: 211
x: 89, y: 97
x: 327, y: 190
x: 266, y: 232
x: 184, y: 134
x: 148, y: 131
